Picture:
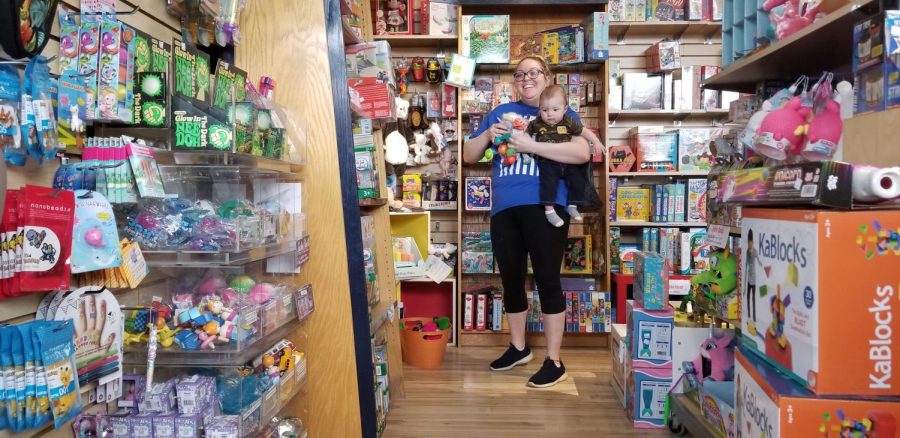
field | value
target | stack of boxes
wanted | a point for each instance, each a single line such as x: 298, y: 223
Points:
x: 649, y: 324
x: 876, y: 62
x: 817, y: 330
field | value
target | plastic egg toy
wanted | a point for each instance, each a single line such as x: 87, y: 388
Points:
x: 261, y: 292
x: 241, y: 284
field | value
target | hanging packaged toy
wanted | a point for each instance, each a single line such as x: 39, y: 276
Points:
x: 54, y: 341
x: 10, y: 136
x: 782, y: 130
x: 30, y: 405
x: 68, y: 41
x: 47, y: 216
x: 42, y: 139
x: 108, y: 68
x: 8, y: 372
x: 95, y: 243
x: 18, y: 362
x: 88, y: 61
x: 26, y: 115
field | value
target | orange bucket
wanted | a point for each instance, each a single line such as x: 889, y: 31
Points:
x: 423, y: 349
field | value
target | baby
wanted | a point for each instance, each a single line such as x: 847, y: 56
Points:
x: 555, y: 126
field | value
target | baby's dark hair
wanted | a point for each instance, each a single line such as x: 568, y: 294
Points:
x: 553, y: 91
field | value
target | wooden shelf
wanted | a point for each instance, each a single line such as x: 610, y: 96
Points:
x: 687, y: 411
x: 655, y: 224
x: 350, y: 37
x: 652, y: 174
x: 423, y: 41
x: 372, y: 203
x: 555, y: 68
x: 801, y: 53
x: 668, y: 113
x: 619, y: 30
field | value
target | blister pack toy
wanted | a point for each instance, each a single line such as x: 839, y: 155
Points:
x: 95, y: 243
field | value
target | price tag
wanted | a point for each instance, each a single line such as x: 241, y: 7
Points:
x: 678, y: 287
x: 717, y: 236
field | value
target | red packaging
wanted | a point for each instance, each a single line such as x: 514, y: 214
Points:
x: 371, y: 99
x: 48, y: 216
x: 9, y: 233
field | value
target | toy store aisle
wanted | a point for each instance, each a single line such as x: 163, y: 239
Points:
x: 466, y: 399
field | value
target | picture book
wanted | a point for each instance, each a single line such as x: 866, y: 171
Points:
x: 503, y: 93
x: 477, y: 262
x: 484, y: 91
x: 146, y: 171
x: 462, y: 71
x: 485, y: 38
x: 613, y: 185
x: 577, y: 255
x: 477, y: 241
x: 693, y: 149
x: 696, y: 200
x: 626, y: 257
x: 522, y: 46
x: 569, y: 42
x: 468, y: 102
x: 478, y: 193
x: 550, y: 47
x: 632, y: 204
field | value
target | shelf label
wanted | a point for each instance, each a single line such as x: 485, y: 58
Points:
x: 717, y: 235
x: 679, y: 287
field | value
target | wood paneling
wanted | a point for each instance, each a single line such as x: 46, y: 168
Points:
x: 287, y: 40
x: 872, y: 138
x: 465, y: 399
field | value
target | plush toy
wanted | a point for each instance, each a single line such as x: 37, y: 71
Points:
x: 782, y: 130
x: 420, y: 148
x: 401, y: 106
x: 444, y: 251
x: 437, y: 137
x: 789, y: 16
x: 824, y: 133
x: 716, y: 359
x: 721, y: 278
x: 747, y: 136
x: 508, y: 153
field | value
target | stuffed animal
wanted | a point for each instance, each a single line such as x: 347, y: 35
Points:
x: 401, y: 108
x: 508, y: 153
x: 747, y: 136
x: 721, y: 278
x: 437, y: 137
x: 789, y: 16
x: 396, y: 150
x: 420, y: 148
x: 824, y: 133
x: 444, y: 251
x: 782, y: 130
x: 716, y: 359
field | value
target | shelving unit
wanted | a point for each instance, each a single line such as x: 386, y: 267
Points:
x: 418, y: 41
x: 655, y: 174
x: 668, y: 113
x: 529, y: 17
x: 675, y: 29
x: 800, y: 53
x: 655, y: 224
x: 687, y: 411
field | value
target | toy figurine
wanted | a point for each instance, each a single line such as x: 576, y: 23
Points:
x: 716, y: 359
x: 187, y: 340
x: 206, y: 341
x: 418, y: 69
x: 507, y: 152
x: 782, y: 130
x: 134, y: 338
x: 401, y: 68
x: 396, y: 16
x: 433, y: 71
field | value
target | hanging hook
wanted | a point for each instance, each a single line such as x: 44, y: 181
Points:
x: 133, y: 11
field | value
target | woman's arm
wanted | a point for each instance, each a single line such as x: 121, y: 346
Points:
x: 575, y: 151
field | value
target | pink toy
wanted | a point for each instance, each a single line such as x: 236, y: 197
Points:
x: 782, y: 130
x: 261, y: 292
x: 824, y: 133
x: 430, y: 327
x: 229, y: 296
x: 206, y: 341
x: 792, y: 16
x: 716, y: 359
x: 211, y: 285
x: 94, y: 237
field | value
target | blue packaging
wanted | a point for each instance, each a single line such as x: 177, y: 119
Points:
x: 58, y: 352
x: 651, y: 281
x: 649, y: 336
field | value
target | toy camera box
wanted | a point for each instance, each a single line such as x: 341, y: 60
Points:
x: 650, y: 336
x: 877, y: 80
x: 647, y: 391
x: 651, y: 281
x: 799, y: 267
x: 770, y: 405
x: 596, y: 36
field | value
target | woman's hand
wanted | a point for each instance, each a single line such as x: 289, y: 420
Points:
x: 496, y: 130
x: 523, y: 143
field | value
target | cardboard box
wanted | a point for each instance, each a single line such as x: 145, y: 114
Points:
x: 369, y: 60
x: 869, y: 42
x: 663, y: 56
x: 769, y: 404
x: 596, y: 36
x: 618, y: 386
x: 621, y: 158
x: 651, y: 281
x: 689, y: 92
x: 646, y: 395
x: 686, y: 342
x: 870, y: 88
x: 824, y: 183
x: 696, y: 200
x: 371, y: 99
x: 641, y: 91
x: 650, y: 336
x: 802, y: 265
x: 619, y: 353
x: 632, y: 204
x: 717, y: 406
x: 442, y: 19
x: 694, y: 154
x: 654, y: 150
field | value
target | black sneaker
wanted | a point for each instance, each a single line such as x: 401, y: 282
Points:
x: 548, y: 375
x: 512, y: 357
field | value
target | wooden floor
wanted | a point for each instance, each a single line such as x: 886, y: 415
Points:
x: 466, y: 399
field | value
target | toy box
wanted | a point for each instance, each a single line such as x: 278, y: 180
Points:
x: 621, y: 158
x: 632, y: 204
x: 663, y: 56
x: 693, y: 149
x: 717, y: 406
x: 799, y: 266
x: 650, y: 336
x: 477, y: 262
x: 371, y: 98
x: 441, y: 18
x: 869, y: 41
x: 647, y: 391
x: 566, y: 45
x: 369, y: 60
x: 651, y: 281
x: 696, y: 200
x: 769, y: 404
x: 878, y: 87
x: 641, y: 91
x: 478, y: 193
x: 823, y: 183
x: 626, y: 257
x: 596, y: 36
x: 666, y: 10
x: 687, y: 94
x: 654, y: 149
x: 485, y: 38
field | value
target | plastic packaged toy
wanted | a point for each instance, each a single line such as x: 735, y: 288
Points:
x: 58, y: 354
x: 95, y: 243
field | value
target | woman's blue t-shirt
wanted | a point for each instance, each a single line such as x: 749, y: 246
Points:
x: 518, y: 184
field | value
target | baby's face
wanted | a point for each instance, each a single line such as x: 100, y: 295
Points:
x: 552, y: 110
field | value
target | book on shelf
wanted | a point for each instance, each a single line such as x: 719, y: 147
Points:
x: 615, y: 234
x: 485, y: 38
x: 468, y: 311
x: 587, y: 311
x: 477, y: 241
x: 484, y: 91
x: 613, y: 185
x: 577, y: 255
x: 477, y: 262
x: 563, y: 45
x: 478, y: 193
x: 633, y: 204
x: 696, y: 200
x: 481, y: 312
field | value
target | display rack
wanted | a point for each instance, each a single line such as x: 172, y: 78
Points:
x: 687, y: 411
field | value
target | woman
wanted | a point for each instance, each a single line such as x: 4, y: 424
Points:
x: 519, y: 228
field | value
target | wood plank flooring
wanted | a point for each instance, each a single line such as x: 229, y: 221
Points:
x: 466, y: 399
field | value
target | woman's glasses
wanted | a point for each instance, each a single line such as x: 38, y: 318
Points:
x: 519, y: 76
